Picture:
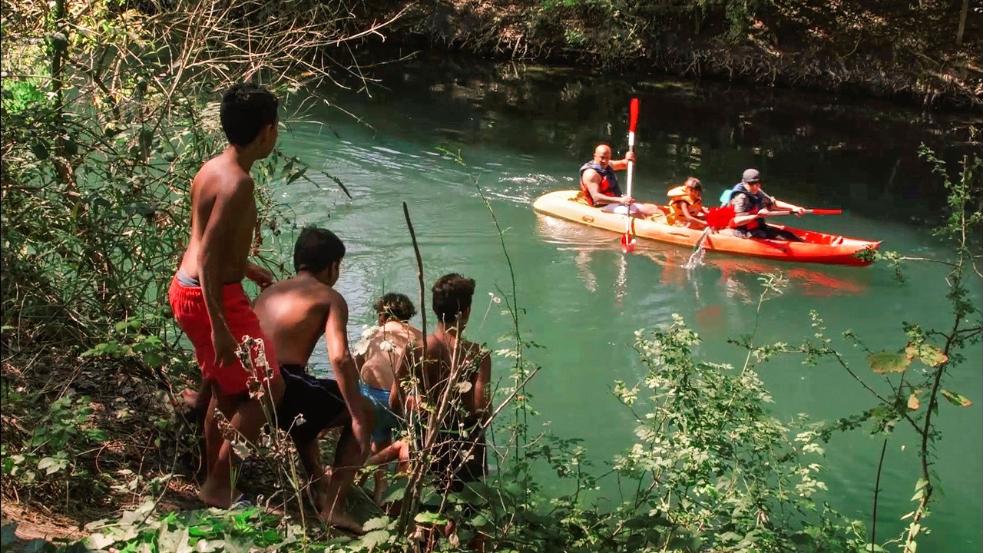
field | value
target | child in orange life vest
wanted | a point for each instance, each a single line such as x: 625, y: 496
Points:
x: 685, y: 207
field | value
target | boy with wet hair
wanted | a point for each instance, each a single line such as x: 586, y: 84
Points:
x: 378, y: 367
x: 206, y: 294
x: 294, y: 313
x: 458, y: 451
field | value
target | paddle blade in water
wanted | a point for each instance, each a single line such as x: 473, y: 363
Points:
x: 628, y: 243
x: 719, y: 217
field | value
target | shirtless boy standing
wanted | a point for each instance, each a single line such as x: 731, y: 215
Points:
x: 207, y: 296
x: 293, y: 314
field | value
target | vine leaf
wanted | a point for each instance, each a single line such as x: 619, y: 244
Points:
x: 957, y: 399
x: 930, y: 355
x: 913, y: 402
x: 888, y: 362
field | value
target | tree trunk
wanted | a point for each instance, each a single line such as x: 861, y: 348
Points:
x: 964, y: 7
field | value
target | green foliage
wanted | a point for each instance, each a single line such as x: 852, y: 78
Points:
x: 50, y: 456
x: 714, y: 465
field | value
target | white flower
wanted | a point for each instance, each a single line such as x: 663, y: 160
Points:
x: 386, y: 345
x: 241, y: 449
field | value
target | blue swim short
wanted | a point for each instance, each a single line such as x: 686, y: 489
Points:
x: 386, y: 421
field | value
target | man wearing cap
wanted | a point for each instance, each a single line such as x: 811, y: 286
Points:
x: 752, y: 205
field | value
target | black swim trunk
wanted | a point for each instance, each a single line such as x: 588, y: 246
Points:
x: 450, y: 465
x: 318, y: 400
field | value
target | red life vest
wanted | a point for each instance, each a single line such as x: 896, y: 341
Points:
x: 608, y: 186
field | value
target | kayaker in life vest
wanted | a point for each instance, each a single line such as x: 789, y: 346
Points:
x: 752, y: 205
x: 686, y: 208
x: 599, y: 185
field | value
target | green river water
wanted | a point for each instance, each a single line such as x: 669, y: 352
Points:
x: 524, y: 130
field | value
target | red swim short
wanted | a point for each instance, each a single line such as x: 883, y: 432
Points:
x: 188, y: 305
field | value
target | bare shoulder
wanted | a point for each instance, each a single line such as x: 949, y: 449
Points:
x: 475, y: 351
x: 220, y: 177
x: 328, y: 298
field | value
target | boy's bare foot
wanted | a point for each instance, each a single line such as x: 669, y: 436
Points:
x: 217, y: 496
x: 339, y: 519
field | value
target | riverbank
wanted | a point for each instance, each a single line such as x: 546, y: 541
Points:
x: 926, y: 55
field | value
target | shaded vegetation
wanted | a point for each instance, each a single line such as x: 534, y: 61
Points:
x: 924, y: 52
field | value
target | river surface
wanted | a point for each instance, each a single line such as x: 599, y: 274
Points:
x: 522, y: 131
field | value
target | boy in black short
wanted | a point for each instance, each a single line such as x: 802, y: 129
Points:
x: 293, y: 313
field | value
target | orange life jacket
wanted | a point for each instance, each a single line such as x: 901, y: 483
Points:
x: 678, y: 196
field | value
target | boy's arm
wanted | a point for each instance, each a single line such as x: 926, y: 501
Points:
x: 482, y: 396
x: 396, y: 391
x: 260, y: 275
x: 232, y: 199
x: 344, y: 368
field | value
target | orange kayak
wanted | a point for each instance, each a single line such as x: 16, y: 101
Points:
x: 816, y: 247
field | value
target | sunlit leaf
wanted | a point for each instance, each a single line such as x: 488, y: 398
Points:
x: 51, y: 465
x: 888, y: 362
x: 957, y: 399
x: 428, y: 517
x: 913, y: 402
x: 927, y: 353
x: 99, y: 541
x: 377, y: 523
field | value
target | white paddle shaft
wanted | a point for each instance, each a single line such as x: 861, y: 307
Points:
x: 628, y: 184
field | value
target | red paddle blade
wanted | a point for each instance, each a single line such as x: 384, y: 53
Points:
x: 633, y: 114
x: 720, y: 217
x: 628, y: 243
x: 826, y: 211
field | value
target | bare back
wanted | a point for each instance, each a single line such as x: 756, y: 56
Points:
x: 293, y: 314
x: 223, y: 208
x: 384, y: 352
x: 453, y: 361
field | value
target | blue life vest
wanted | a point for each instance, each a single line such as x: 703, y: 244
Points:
x: 756, y: 204
x: 609, y: 182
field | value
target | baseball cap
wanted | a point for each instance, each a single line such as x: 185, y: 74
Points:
x: 751, y: 176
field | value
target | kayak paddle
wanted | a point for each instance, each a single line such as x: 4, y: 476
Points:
x: 809, y: 212
x: 628, y: 240
x: 719, y: 218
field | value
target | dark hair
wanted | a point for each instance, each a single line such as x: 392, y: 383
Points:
x: 452, y: 294
x: 694, y: 183
x: 246, y: 109
x: 316, y: 249
x: 395, y: 306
